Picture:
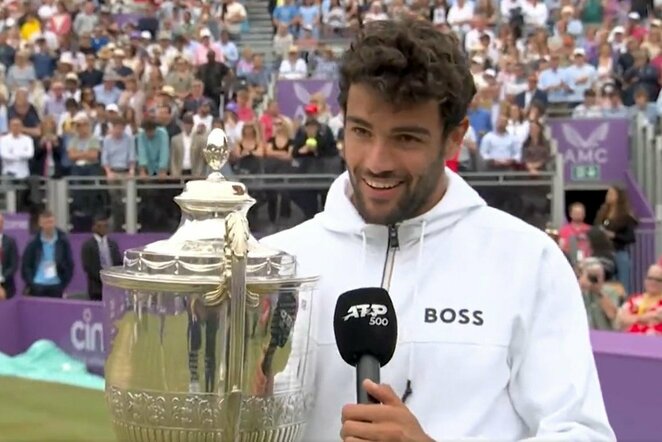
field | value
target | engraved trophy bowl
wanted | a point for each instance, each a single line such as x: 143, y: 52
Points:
x: 209, y: 331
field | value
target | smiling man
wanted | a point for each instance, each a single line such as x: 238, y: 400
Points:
x: 493, y: 338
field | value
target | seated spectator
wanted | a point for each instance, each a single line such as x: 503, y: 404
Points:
x: 536, y: 150
x: 249, y: 152
x: 589, y: 108
x: 287, y: 14
x: 326, y: 67
x: 202, y: 120
x: 613, y: 106
x: 186, y: 149
x: 283, y: 41
x: 21, y: 73
x: 642, y: 313
x: 643, y: 107
x: 334, y: 20
x: 518, y: 124
x: 47, y: 265
x: 600, y: 300
x: 49, y: 155
x: 500, y: 149
x: 293, y: 67
x: 309, y: 13
x: 230, y: 52
x: 181, y: 78
x: 642, y: 75
x: 233, y: 15
x: 460, y: 16
x: 107, y: 92
x: 375, y: 13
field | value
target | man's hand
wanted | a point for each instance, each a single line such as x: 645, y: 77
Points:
x: 3, y: 294
x: 390, y: 420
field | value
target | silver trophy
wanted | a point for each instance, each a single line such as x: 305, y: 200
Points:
x: 209, y: 331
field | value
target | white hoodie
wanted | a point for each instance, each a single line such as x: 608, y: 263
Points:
x: 511, y: 359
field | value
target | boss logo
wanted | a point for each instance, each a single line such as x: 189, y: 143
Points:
x: 452, y: 316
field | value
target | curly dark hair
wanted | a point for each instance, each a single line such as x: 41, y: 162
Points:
x: 410, y: 62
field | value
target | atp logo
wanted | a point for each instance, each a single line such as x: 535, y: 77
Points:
x: 303, y: 96
x: 87, y: 335
x: 374, y: 311
x: 587, y: 150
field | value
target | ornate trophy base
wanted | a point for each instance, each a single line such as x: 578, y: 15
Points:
x: 150, y: 416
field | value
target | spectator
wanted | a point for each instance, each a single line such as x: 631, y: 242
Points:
x: 186, y: 150
x: 642, y: 75
x: 47, y: 265
x: 84, y: 148
x: 578, y: 78
x: 293, y: 67
x: 309, y: 14
x: 283, y: 41
x: 98, y: 253
x: 230, y: 52
x: 460, y: 16
x: 107, y: 92
x: 279, y: 149
x: 536, y: 151
x: 499, y: 148
x: 573, y: 237
x: 213, y: 75
x: 49, y: 155
x: 375, y: 13
x: 21, y: 74
x: 232, y: 16
x: 334, y: 20
x: 617, y: 221
x: 8, y: 262
x: 86, y: 21
x: 16, y: 151
x: 590, y: 108
x: 206, y: 45
x: 644, y: 107
x: 153, y: 149
x: 326, y: 67
x: 600, y: 300
x: 642, y: 313
x: 287, y: 14
x: 613, y: 105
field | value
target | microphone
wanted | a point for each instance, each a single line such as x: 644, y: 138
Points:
x: 366, y: 331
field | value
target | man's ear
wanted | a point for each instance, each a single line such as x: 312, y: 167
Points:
x: 455, y: 137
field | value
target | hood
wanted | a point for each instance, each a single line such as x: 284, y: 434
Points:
x: 341, y: 216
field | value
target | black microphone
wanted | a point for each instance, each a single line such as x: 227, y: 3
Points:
x: 366, y: 330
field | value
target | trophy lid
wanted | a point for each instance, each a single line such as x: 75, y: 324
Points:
x: 193, y: 257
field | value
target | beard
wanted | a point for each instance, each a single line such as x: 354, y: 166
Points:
x: 415, y: 194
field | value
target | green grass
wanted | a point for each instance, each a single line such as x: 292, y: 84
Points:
x: 43, y: 412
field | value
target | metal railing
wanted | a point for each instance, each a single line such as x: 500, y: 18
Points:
x: 538, y: 199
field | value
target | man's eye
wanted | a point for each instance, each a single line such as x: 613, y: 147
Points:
x: 359, y: 131
x: 405, y: 138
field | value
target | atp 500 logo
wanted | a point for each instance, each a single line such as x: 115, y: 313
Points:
x: 87, y: 335
x: 375, y: 312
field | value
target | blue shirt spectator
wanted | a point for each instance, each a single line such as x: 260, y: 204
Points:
x: 153, y: 149
x: 499, y: 145
x: 287, y: 15
x: 579, y: 77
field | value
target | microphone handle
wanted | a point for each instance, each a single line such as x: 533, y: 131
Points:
x: 367, y: 368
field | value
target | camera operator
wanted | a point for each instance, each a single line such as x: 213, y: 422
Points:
x: 600, y: 301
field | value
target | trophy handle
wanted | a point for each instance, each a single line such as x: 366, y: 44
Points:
x: 236, y: 252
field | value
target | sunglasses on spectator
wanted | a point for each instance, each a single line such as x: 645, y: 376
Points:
x: 654, y: 278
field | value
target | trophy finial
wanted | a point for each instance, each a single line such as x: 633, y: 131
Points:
x: 217, y: 150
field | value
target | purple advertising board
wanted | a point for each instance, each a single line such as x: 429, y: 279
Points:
x: 595, y: 150
x: 294, y: 95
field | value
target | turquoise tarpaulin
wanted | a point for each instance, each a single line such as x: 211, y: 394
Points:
x: 45, y: 361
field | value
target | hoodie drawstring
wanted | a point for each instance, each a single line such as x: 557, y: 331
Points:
x: 419, y: 264
x: 364, y: 252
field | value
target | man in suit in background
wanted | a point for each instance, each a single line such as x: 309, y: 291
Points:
x: 97, y: 253
x: 531, y: 94
x: 8, y: 262
x: 186, y: 150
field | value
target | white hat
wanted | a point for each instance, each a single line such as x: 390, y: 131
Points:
x: 112, y: 107
x: 579, y: 51
x: 634, y: 16
x: 478, y: 59
x: 490, y: 73
x: 619, y: 30
x: 205, y: 33
x: 146, y: 35
x: 118, y: 53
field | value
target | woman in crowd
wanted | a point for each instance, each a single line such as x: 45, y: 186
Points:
x: 50, y: 150
x: 278, y: 152
x: 518, y: 124
x: 642, y: 313
x: 618, y: 222
x: 536, y: 150
x: 249, y: 151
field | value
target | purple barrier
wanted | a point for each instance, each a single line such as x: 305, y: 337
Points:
x: 16, y: 225
x: 9, y: 327
x: 294, y: 95
x: 629, y: 368
x: 595, y: 150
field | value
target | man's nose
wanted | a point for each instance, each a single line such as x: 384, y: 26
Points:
x: 380, y: 157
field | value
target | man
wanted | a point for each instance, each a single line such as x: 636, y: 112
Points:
x: 396, y: 218
x: 601, y: 302
x: 16, y: 151
x: 118, y: 159
x: 8, y: 262
x: 47, y: 266
x: 97, y: 253
x: 499, y: 148
x: 579, y: 77
x: 573, y: 237
x: 186, y: 150
x: 153, y: 149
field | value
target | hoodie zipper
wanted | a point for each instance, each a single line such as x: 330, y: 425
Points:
x: 392, y: 247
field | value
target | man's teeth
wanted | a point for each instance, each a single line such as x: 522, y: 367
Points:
x: 380, y: 185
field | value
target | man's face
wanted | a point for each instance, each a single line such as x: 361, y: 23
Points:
x: 395, y: 156
x: 653, y: 283
x: 47, y: 224
x: 577, y: 213
x: 2, y: 222
x: 117, y: 130
x: 15, y: 126
x: 641, y: 100
x: 101, y: 227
